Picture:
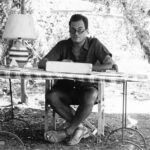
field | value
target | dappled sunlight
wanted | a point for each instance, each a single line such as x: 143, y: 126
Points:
x: 114, y: 106
x: 115, y: 28
x: 134, y: 66
x: 138, y: 98
x: 132, y: 122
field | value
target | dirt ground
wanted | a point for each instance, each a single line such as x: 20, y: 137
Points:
x: 33, y: 137
x: 31, y: 129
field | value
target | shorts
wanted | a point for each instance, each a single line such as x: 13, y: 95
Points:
x: 74, y: 89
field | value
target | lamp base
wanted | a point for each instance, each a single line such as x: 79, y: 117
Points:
x: 21, y: 64
x: 19, y: 53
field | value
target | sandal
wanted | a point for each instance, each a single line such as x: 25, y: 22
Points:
x: 80, y: 132
x: 55, y: 136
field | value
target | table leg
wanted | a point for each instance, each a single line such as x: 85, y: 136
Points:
x: 11, y: 99
x: 23, y: 92
x: 47, y: 84
x: 123, y: 134
x: 124, y: 108
x: 124, y: 113
x: 101, y: 117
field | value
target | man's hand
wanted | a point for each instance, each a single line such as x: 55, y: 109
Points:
x: 115, y: 67
x: 42, y: 63
x: 108, y: 64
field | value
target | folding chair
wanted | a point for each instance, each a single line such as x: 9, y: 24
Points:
x: 48, y: 85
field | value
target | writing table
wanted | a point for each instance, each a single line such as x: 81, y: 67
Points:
x: 99, y: 77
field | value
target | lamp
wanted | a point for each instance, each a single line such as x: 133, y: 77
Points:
x: 19, y: 27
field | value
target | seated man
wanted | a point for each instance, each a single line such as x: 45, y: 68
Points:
x: 83, y: 49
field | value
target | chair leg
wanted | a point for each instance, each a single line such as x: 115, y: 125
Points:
x: 54, y: 120
x: 46, y: 118
x: 48, y: 86
x: 47, y: 83
x: 87, y: 123
x: 101, y: 113
x: 92, y: 127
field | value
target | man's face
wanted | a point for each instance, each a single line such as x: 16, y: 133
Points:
x: 77, y: 31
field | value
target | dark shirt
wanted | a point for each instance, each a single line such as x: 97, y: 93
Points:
x: 91, y: 52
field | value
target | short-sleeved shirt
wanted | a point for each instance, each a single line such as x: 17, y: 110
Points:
x: 91, y: 52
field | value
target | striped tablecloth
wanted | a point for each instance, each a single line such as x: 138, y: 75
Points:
x: 16, y: 73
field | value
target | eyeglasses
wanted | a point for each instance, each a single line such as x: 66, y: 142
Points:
x: 73, y: 31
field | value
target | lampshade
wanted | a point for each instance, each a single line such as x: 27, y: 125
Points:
x: 19, y: 26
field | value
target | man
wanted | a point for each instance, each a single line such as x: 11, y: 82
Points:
x: 78, y: 48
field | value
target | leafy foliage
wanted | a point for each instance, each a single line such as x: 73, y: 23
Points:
x: 126, y: 16
x: 135, y: 15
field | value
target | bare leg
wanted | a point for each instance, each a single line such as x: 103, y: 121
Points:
x: 85, y: 108
x: 60, y: 102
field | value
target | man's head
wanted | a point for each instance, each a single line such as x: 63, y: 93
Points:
x: 78, y: 28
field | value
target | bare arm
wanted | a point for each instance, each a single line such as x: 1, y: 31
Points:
x: 53, y: 55
x: 108, y: 64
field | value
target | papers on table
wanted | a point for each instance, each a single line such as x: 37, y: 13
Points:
x: 69, y: 67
